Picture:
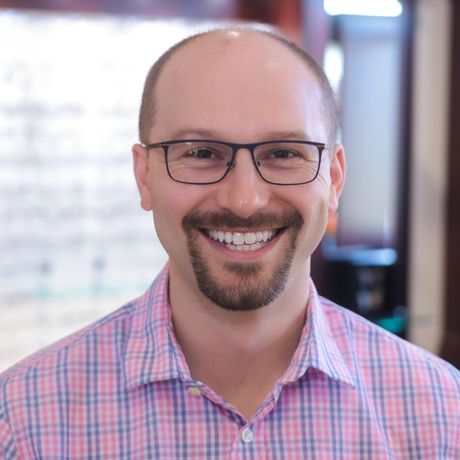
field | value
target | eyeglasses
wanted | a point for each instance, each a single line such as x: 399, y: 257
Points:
x: 199, y: 161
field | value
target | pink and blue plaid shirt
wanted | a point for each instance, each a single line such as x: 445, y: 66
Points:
x: 121, y: 389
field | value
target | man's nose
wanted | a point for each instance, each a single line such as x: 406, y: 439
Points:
x: 243, y: 191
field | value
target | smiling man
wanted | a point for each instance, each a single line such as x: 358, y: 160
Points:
x: 231, y: 353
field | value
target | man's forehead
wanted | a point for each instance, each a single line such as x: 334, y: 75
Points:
x: 220, y: 78
x: 241, y: 45
x: 214, y: 66
x: 206, y: 75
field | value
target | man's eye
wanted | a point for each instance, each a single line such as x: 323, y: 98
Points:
x: 283, y: 154
x: 201, y: 153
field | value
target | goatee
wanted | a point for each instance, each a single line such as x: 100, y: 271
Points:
x: 241, y: 286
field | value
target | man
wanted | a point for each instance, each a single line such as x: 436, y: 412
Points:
x: 231, y: 353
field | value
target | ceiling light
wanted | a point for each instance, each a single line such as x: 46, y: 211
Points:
x: 363, y: 7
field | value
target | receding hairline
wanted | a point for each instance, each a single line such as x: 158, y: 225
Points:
x: 224, y: 36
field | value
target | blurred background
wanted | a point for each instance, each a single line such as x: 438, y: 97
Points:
x: 74, y: 242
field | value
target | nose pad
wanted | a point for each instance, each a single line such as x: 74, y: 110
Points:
x: 230, y: 165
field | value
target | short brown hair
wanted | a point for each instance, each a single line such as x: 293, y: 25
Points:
x: 147, y: 110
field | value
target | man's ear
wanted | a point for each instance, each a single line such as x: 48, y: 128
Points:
x: 337, y: 169
x: 142, y: 175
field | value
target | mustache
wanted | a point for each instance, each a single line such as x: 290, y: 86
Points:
x: 227, y: 219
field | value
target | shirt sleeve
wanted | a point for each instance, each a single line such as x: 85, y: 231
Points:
x: 8, y: 448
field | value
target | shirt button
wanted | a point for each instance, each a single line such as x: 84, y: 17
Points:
x: 247, y: 436
x: 195, y: 391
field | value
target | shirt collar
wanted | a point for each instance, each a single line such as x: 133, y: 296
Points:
x: 317, y: 347
x: 150, y: 352
x: 153, y: 354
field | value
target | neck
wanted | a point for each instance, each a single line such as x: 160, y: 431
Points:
x: 240, y: 355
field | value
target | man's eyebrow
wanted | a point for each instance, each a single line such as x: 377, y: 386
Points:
x: 291, y: 135
x: 192, y: 133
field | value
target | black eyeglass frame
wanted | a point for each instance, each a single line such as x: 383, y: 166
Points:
x: 232, y: 162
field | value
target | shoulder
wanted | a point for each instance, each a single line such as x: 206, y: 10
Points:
x: 377, y: 355
x: 412, y: 395
x: 35, y: 391
x: 92, y: 356
x: 107, y: 332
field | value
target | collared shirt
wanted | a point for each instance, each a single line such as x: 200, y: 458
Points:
x: 121, y: 389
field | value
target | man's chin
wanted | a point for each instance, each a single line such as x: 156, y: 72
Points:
x: 243, y: 269
x: 241, y: 286
x: 241, y: 297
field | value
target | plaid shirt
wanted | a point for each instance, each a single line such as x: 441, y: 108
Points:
x: 121, y: 389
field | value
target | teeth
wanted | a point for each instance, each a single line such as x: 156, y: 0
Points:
x: 249, y: 241
x: 249, y: 238
x: 237, y: 240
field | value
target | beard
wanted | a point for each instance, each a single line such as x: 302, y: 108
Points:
x: 241, y: 286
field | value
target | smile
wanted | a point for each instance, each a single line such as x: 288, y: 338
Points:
x: 242, y: 241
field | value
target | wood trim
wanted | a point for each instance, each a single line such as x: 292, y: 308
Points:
x: 401, y: 278
x: 451, y: 336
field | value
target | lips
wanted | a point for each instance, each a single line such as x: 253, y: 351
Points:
x: 237, y: 233
x: 242, y: 241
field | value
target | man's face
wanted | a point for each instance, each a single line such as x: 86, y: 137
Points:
x: 245, y: 89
